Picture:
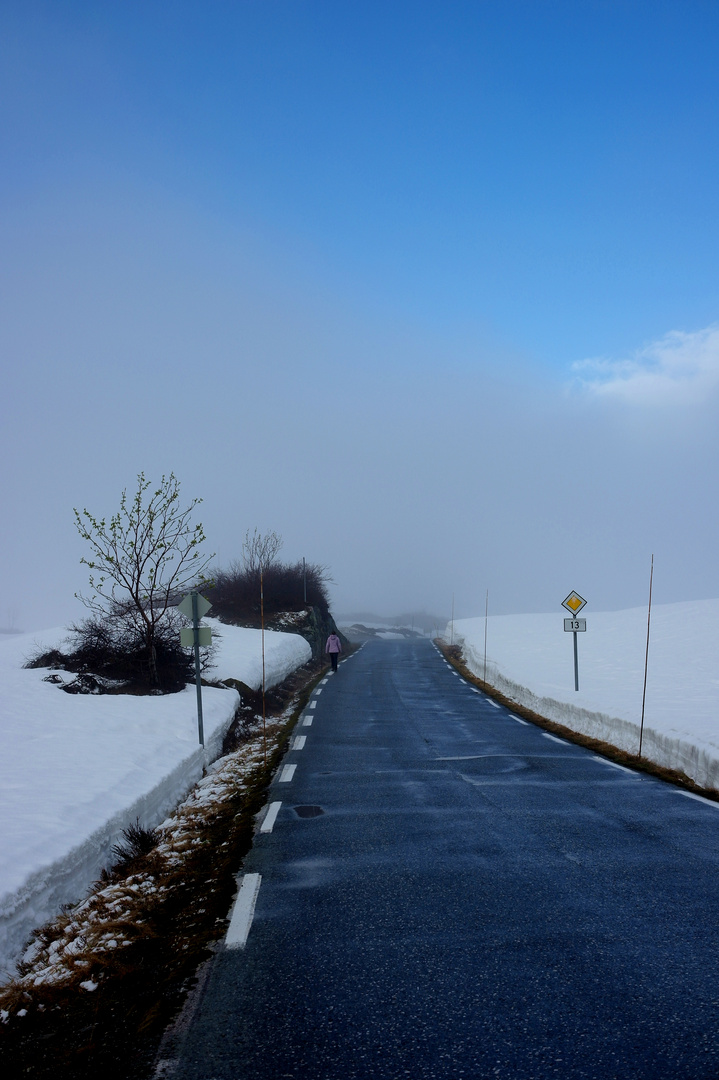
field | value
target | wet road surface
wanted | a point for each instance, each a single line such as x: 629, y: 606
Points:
x: 469, y: 897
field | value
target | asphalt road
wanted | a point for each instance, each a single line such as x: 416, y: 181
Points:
x: 476, y: 899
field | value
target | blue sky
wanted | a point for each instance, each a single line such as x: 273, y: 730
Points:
x: 548, y: 170
x: 375, y: 239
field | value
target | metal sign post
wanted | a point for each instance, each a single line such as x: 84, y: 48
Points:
x: 574, y: 603
x: 194, y: 606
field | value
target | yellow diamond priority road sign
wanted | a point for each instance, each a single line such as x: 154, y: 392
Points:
x: 574, y: 603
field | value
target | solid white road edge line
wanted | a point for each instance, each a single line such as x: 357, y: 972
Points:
x: 614, y: 765
x: 699, y: 798
x: 270, y: 817
x: 525, y: 722
x: 307, y: 722
x: 288, y: 771
x: 243, y: 912
x: 299, y: 742
x: 554, y: 738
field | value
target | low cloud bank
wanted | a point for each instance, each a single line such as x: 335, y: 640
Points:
x: 678, y: 369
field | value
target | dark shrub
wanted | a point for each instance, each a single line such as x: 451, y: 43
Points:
x: 111, y: 654
x: 235, y: 595
x: 53, y: 658
x: 136, y: 843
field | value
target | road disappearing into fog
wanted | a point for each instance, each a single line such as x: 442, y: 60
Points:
x: 446, y: 891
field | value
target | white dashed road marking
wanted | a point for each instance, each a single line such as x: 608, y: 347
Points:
x: 298, y: 743
x: 307, y: 722
x: 270, y: 817
x: 313, y: 705
x: 615, y: 765
x: 243, y: 912
x: 554, y: 738
x: 288, y: 771
x: 525, y: 722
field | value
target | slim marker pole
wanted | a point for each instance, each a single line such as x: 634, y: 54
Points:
x: 646, y: 657
x: 486, y: 613
x: 198, y: 675
x: 262, y: 623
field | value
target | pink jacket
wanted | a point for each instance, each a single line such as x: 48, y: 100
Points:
x: 333, y: 644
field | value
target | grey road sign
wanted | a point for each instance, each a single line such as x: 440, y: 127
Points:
x: 204, y: 637
x: 194, y: 606
x: 185, y: 606
x: 579, y: 626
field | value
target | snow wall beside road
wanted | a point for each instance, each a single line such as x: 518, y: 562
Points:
x: 529, y: 659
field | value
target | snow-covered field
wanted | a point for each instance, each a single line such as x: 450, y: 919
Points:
x: 530, y: 659
x: 77, y: 769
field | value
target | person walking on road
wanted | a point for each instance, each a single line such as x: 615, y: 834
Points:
x: 334, y: 648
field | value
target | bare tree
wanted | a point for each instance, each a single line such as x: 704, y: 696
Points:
x: 260, y: 550
x: 142, y: 558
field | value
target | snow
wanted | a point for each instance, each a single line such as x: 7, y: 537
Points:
x: 240, y: 651
x: 79, y: 936
x: 530, y: 659
x: 77, y: 769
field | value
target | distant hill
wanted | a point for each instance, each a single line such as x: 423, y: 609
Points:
x: 413, y: 620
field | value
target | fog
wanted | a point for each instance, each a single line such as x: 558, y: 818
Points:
x: 416, y: 461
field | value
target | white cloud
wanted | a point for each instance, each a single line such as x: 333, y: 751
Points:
x: 678, y: 369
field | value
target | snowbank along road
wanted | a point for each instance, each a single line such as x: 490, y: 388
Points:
x: 439, y: 889
x: 76, y: 769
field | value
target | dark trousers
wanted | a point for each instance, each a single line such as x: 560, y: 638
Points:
x: 334, y: 657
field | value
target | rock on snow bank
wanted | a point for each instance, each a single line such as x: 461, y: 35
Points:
x: 76, y: 770
x: 529, y: 658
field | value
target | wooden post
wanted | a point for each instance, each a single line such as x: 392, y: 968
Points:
x: 262, y: 623
x: 486, y: 613
x: 646, y: 657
